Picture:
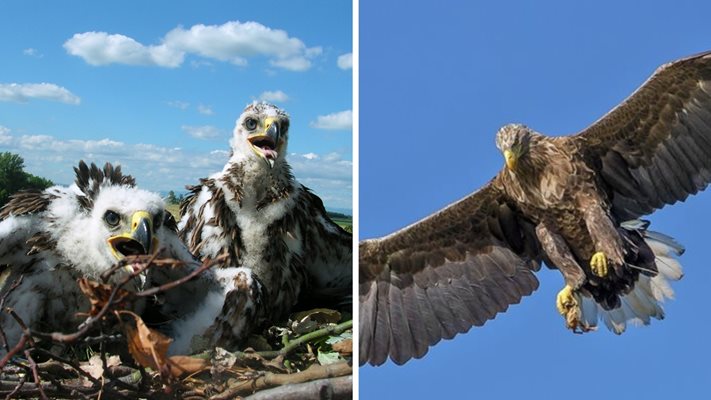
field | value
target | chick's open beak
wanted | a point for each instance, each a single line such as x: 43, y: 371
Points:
x: 511, y: 158
x: 265, y: 142
x: 138, y: 240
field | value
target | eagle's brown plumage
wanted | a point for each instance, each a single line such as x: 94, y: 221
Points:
x: 561, y: 200
x: 282, y: 247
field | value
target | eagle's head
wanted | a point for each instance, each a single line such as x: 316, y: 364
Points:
x: 261, y: 133
x: 513, y: 141
x: 103, y: 218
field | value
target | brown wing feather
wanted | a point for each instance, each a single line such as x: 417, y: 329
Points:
x: 655, y: 147
x: 441, y: 276
x: 28, y: 201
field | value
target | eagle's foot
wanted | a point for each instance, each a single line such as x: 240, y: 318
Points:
x: 568, y: 306
x: 598, y: 264
x: 565, y: 301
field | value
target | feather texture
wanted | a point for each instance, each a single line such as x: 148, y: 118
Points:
x: 53, y: 237
x: 275, y: 231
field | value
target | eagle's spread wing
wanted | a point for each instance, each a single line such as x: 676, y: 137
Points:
x: 438, y: 277
x: 653, y: 148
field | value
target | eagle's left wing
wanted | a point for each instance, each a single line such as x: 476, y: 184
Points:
x: 655, y: 147
x: 442, y: 275
x: 327, y: 252
x: 25, y: 252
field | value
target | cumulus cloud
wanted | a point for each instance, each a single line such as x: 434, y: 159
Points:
x: 233, y: 42
x: 201, y: 132
x: 345, y: 61
x: 205, y: 110
x: 53, y: 158
x: 24, y: 92
x: 276, y: 96
x: 160, y: 168
x: 342, y: 120
x: 329, y: 175
x: 5, y: 137
x: 101, y: 48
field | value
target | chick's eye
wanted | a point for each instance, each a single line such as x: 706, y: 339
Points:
x: 112, y: 218
x: 250, y: 124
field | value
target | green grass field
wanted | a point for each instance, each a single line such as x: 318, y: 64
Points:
x: 175, y: 210
x: 343, y: 222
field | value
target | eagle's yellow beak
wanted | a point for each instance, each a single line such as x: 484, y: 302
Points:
x: 265, y: 142
x: 511, y: 159
x: 138, y: 240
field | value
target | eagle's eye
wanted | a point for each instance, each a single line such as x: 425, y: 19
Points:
x: 112, y: 218
x: 250, y: 124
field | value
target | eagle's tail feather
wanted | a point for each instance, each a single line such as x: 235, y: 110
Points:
x: 644, y: 301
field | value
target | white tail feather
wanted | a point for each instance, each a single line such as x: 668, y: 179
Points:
x: 588, y: 312
x: 644, y: 301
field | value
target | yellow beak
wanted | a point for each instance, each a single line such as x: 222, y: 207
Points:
x: 511, y: 159
x: 269, y: 137
x: 138, y: 240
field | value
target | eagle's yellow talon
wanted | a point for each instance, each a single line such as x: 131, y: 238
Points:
x: 598, y: 264
x: 568, y: 304
x: 565, y: 301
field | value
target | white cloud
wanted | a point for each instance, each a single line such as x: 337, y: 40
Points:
x: 23, y: 92
x: 159, y: 168
x: 205, y: 110
x: 32, y: 52
x: 182, y: 105
x: 342, y: 120
x: 5, y: 137
x: 330, y: 176
x: 101, y: 48
x: 201, y: 132
x: 276, y: 96
x: 292, y: 63
x: 233, y: 42
x: 345, y: 61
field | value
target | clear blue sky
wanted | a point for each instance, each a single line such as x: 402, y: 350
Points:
x: 437, y: 79
x: 163, y: 100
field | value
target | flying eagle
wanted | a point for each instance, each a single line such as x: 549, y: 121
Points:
x: 51, y: 238
x: 573, y: 202
x: 281, y: 244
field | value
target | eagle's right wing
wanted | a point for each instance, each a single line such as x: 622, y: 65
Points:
x: 653, y: 148
x: 440, y: 276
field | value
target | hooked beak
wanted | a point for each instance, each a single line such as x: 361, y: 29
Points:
x: 511, y: 159
x: 138, y: 241
x: 264, y: 143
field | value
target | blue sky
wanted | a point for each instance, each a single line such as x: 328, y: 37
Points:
x: 437, y: 79
x: 157, y: 86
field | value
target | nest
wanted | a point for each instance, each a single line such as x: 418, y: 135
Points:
x: 115, y: 354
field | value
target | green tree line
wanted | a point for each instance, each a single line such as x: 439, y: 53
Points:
x: 13, y: 177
